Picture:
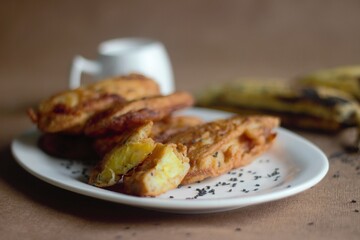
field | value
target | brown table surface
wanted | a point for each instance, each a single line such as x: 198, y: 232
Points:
x: 208, y: 42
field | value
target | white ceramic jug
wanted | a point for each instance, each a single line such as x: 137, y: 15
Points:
x: 124, y: 56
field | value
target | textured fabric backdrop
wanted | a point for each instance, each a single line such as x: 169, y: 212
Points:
x: 208, y: 41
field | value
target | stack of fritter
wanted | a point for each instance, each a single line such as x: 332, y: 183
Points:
x: 138, y: 141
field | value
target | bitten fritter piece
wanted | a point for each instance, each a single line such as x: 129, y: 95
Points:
x: 161, y: 131
x: 219, y: 146
x: 130, y: 152
x: 162, y: 171
x: 129, y: 114
x: 68, y: 111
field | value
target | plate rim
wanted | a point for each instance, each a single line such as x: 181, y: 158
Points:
x: 175, y: 205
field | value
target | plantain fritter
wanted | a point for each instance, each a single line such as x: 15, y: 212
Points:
x: 130, y: 152
x: 161, y: 171
x: 129, y: 114
x: 68, y: 111
x: 219, y: 146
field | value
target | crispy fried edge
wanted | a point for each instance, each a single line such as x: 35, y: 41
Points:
x: 136, y: 112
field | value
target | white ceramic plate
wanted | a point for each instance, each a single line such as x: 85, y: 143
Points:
x: 291, y: 166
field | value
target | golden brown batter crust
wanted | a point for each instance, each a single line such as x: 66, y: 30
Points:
x: 68, y: 111
x: 217, y: 147
x: 134, y: 113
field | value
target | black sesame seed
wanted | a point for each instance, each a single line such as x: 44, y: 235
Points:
x: 356, y: 210
x: 215, y: 154
x: 353, y: 201
x: 238, y: 229
x: 257, y: 185
x: 310, y: 223
x: 171, y: 197
x: 201, y: 192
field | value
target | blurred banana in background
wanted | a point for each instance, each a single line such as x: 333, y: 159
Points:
x: 326, y: 100
x: 345, y: 78
x: 315, y: 108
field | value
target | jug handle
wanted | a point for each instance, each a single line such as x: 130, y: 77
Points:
x: 80, y: 65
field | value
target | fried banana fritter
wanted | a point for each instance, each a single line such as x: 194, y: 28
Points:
x: 163, y: 170
x: 160, y: 131
x: 68, y: 111
x: 315, y: 108
x: 130, y: 152
x: 129, y: 114
x: 219, y: 146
